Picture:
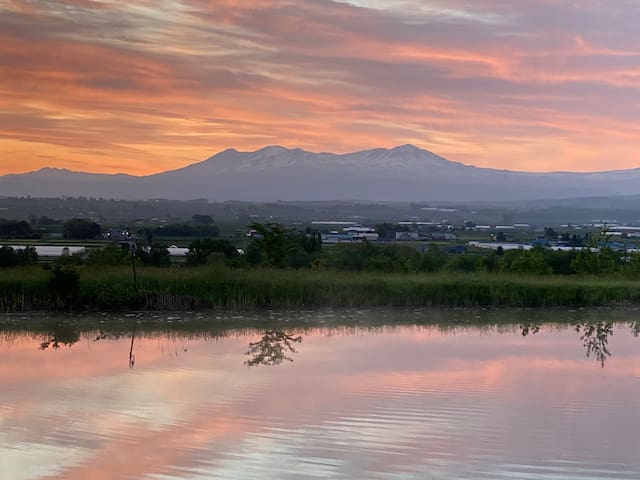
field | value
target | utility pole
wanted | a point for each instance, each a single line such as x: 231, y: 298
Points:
x: 132, y: 249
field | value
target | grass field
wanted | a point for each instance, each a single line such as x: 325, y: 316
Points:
x: 112, y: 289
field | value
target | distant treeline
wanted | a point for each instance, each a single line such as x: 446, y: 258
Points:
x: 16, y: 229
x: 272, y: 245
x: 181, y: 230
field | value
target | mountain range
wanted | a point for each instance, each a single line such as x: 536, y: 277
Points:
x: 403, y: 173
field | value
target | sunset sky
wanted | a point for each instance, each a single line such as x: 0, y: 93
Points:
x: 149, y: 85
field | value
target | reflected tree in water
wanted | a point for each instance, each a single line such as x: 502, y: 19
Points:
x: 595, y: 338
x: 273, y: 348
x: 60, y: 334
x: 529, y: 328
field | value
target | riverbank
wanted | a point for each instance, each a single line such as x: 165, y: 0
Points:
x: 113, y: 289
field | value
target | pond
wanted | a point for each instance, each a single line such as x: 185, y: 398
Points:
x: 342, y: 395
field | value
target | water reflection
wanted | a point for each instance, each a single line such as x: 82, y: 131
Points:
x: 277, y: 345
x: 60, y: 333
x: 593, y: 335
x: 595, y: 338
x: 363, y: 399
x: 114, y: 335
x: 273, y: 348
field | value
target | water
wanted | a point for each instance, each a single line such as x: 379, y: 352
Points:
x: 345, y: 395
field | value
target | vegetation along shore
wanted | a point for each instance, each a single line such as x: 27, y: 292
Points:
x: 284, y: 269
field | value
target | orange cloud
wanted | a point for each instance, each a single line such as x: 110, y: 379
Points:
x: 111, y: 87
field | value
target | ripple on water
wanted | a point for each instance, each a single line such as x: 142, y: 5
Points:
x: 206, y: 415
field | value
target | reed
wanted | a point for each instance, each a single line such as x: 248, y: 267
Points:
x: 112, y: 289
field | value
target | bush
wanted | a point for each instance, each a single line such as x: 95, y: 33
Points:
x: 525, y: 261
x: 64, y: 282
x: 433, y: 259
x: 465, y: 263
x: 200, y: 250
x: 587, y: 262
x: 111, y: 255
x: 157, y: 256
x: 17, y: 258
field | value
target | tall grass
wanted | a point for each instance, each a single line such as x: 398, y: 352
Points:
x: 112, y: 289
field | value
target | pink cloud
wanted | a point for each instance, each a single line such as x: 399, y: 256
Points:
x: 522, y: 86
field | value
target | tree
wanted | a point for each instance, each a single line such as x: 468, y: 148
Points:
x: 81, y: 229
x: 525, y: 261
x: 202, y: 219
x: 385, y: 230
x: 433, y: 259
x: 13, y: 229
x: 17, y: 258
x: 27, y: 256
x: 64, y: 284
x: 201, y: 250
x: 157, y: 256
x: 275, y: 241
x: 311, y: 241
x: 108, y: 256
x: 550, y: 233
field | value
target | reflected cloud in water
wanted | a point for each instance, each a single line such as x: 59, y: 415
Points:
x: 361, y: 399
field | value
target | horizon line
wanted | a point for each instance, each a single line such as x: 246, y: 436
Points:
x: 287, y: 148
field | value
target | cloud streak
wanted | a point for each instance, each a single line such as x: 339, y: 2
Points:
x: 157, y: 85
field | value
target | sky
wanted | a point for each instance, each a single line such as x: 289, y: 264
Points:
x: 150, y: 85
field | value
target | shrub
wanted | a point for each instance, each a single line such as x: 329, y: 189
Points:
x: 157, y: 256
x: 110, y: 255
x: 17, y: 258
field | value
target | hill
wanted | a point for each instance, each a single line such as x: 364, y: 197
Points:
x: 404, y: 173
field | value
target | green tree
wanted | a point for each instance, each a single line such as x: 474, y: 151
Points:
x: 589, y: 262
x: 311, y: 241
x: 13, y: 229
x: 110, y: 255
x: 64, y: 284
x: 81, y: 229
x: 202, y: 219
x: 466, y: 263
x: 17, y: 258
x: 433, y: 259
x: 386, y: 231
x: 275, y: 241
x: 525, y: 261
x: 200, y: 250
x: 27, y: 256
x: 157, y: 256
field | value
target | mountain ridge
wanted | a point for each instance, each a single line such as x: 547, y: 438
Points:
x: 401, y: 173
